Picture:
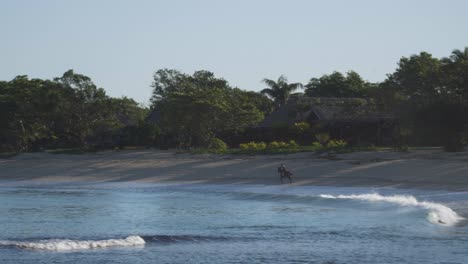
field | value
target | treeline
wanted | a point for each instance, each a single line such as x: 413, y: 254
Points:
x: 428, y: 95
x: 66, y: 112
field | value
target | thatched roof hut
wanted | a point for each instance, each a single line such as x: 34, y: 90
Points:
x: 325, y: 110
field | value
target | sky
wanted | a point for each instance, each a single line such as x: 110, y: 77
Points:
x: 120, y: 44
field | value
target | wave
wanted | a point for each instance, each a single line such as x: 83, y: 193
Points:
x: 438, y: 213
x: 68, y: 244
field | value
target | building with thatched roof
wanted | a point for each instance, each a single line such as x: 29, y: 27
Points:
x: 357, y: 120
x: 325, y: 110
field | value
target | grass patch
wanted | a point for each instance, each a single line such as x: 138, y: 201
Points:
x: 74, y: 151
x: 273, y: 151
x: 266, y: 151
x: 288, y: 150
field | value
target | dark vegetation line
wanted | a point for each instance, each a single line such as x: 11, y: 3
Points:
x: 427, y: 98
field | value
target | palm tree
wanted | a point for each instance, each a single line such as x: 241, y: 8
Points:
x: 456, y: 56
x: 460, y: 55
x: 280, y: 90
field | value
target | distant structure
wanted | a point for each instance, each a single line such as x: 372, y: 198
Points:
x: 356, y: 120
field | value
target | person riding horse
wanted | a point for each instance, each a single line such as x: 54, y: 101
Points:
x: 284, y: 173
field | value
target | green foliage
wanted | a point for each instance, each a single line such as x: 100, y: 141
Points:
x: 280, y: 147
x: 293, y: 144
x: 273, y: 145
x: 143, y: 134
x: 256, y: 146
x: 417, y: 78
x: 253, y: 146
x: 317, y: 146
x: 218, y: 145
x: 69, y: 111
x: 261, y: 146
x: 280, y: 90
x: 280, y: 144
x: 196, y: 107
x: 336, y: 144
x: 260, y: 101
x: 244, y: 146
x: 430, y: 97
x: 322, y: 138
x: 338, y: 85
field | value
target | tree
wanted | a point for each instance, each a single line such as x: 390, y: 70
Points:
x: 339, y: 85
x: 418, y: 78
x: 130, y: 118
x: 431, y: 98
x: 64, y: 112
x: 260, y: 101
x: 280, y: 90
x: 455, y: 75
x: 30, y: 106
x: 194, y: 108
x: 166, y: 81
x: 90, y: 110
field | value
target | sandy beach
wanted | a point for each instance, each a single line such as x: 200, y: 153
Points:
x: 428, y: 168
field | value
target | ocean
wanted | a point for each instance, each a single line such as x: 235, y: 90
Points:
x: 194, y: 223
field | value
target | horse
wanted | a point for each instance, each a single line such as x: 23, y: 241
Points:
x: 283, y: 173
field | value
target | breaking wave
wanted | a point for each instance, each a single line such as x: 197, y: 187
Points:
x: 68, y: 244
x: 438, y: 213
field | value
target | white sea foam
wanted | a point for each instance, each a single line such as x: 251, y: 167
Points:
x: 438, y: 213
x: 68, y: 244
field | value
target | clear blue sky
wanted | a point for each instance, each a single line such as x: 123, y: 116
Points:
x: 120, y: 44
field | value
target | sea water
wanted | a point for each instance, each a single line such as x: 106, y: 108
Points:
x: 142, y: 223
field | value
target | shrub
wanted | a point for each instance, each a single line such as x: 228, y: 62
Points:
x: 244, y: 146
x: 273, y: 145
x: 293, y: 144
x: 317, y: 146
x: 323, y: 138
x: 337, y: 144
x: 253, y: 146
x: 277, y: 145
x: 260, y: 146
x: 217, y: 144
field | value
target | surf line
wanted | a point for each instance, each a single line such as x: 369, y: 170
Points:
x: 438, y: 213
x: 68, y: 244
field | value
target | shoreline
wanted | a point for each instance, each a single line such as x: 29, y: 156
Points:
x: 428, y: 168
